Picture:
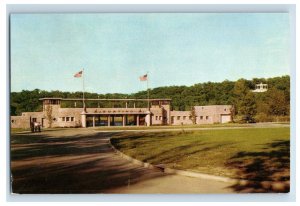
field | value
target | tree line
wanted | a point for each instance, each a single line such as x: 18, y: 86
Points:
x: 272, y: 105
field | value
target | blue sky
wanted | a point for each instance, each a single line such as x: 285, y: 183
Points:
x: 115, y: 49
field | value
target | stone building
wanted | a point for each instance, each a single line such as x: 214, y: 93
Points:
x: 158, y: 113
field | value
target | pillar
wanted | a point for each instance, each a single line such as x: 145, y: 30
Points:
x: 83, y: 119
x: 138, y: 120
x: 108, y: 120
x: 94, y: 121
x: 147, y: 119
x: 133, y: 104
x: 126, y: 105
x: 123, y: 119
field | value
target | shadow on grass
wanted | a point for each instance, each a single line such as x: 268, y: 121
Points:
x: 167, y: 153
x: 70, y: 163
x: 268, y: 171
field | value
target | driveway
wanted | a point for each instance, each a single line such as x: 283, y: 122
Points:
x: 81, y: 161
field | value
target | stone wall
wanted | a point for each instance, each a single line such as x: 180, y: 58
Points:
x: 23, y: 121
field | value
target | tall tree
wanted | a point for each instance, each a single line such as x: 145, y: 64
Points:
x: 193, y: 115
x: 278, y: 105
x: 247, y: 108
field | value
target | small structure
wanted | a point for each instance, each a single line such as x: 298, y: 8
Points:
x: 261, y: 88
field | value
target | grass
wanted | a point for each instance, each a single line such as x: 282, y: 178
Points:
x: 251, y: 153
x: 21, y: 130
x: 16, y: 130
x: 172, y: 126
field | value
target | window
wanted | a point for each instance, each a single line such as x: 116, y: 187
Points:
x: 206, y: 117
x: 225, y: 109
x: 160, y: 118
x: 63, y: 119
x: 67, y: 119
x: 184, y: 117
x: 190, y: 117
x: 72, y: 119
x: 33, y: 119
x: 12, y: 121
x: 156, y: 117
x: 172, y: 119
x: 178, y: 117
x: 201, y: 117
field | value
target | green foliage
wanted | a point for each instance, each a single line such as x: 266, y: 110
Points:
x: 276, y: 101
x: 49, y: 115
x: 248, y: 107
x: 193, y: 115
x: 244, y: 101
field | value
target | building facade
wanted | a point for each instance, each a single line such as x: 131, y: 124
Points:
x: 261, y: 88
x: 158, y: 113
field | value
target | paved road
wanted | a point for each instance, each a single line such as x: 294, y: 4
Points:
x: 81, y: 161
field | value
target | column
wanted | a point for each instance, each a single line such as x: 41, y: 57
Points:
x: 108, y: 120
x: 83, y: 119
x: 138, y: 120
x: 126, y: 104
x: 133, y: 104
x: 123, y: 119
x: 147, y: 119
x: 93, y: 120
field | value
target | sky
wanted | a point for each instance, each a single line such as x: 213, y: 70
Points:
x: 174, y: 48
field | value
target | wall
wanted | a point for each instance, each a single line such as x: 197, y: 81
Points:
x: 181, y: 117
x: 71, y: 117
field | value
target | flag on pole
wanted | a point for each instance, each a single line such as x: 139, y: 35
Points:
x: 144, y: 77
x: 78, y: 74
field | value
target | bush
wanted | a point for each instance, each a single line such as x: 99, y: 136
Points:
x: 281, y: 118
x: 262, y: 117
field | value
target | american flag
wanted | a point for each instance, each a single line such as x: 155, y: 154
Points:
x: 144, y: 77
x: 78, y: 74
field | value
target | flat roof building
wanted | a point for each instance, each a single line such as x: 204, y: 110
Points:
x: 129, y: 112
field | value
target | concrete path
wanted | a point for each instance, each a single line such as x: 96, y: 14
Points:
x: 81, y: 161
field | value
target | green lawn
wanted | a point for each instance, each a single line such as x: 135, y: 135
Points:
x: 249, y: 153
x: 173, y: 126
x: 16, y: 130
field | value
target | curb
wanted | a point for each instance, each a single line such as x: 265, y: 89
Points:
x: 167, y: 170
x: 278, y: 186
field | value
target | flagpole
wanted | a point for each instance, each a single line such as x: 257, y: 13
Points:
x: 148, y: 91
x: 83, y: 102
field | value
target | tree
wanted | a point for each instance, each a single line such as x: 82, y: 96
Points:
x: 239, y: 92
x: 244, y: 101
x: 247, y: 107
x: 277, y: 102
x: 193, y: 115
x: 49, y: 115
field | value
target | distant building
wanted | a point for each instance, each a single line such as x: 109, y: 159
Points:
x: 159, y: 113
x: 261, y: 88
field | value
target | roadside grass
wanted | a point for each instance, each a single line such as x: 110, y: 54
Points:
x: 251, y: 153
x: 173, y: 126
x: 16, y: 130
x: 27, y: 130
